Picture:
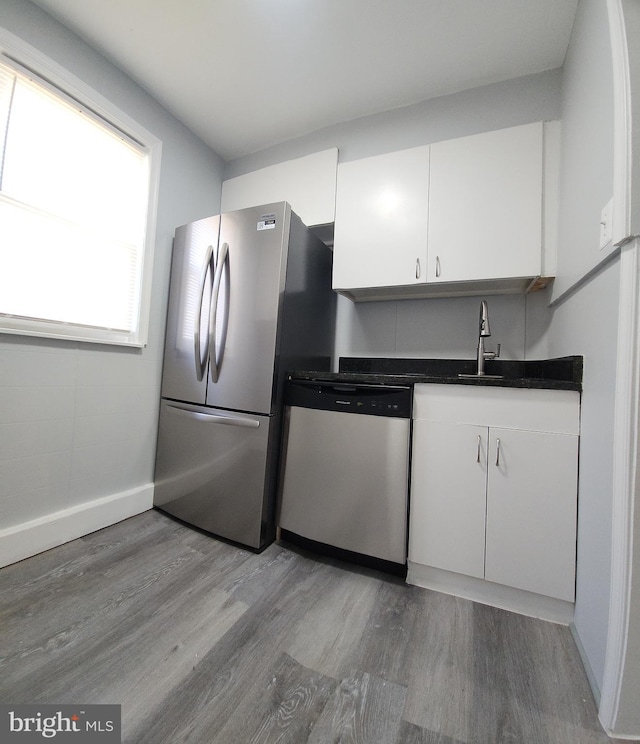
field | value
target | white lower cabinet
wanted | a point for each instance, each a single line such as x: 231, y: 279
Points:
x: 531, y: 511
x: 448, y: 496
x: 494, y: 485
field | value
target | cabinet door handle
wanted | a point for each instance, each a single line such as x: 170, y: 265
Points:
x: 497, y: 452
x: 417, y: 268
x: 437, y: 267
x: 478, y: 453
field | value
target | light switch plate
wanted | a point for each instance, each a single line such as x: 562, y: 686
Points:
x: 606, y: 224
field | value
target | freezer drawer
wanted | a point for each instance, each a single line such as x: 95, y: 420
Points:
x: 345, y: 481
x: 212, y: 471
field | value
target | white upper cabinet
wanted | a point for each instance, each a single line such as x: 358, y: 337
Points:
x: 468, y: 208
x: 307, y: 183
x: 485, y: 206
x: 380, y: 237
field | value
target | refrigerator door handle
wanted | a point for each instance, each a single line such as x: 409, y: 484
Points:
x: 214, y: 418
x: 201, y: 361
x: 216, y: 363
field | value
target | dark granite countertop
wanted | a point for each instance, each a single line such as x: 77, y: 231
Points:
x: 550, y: 374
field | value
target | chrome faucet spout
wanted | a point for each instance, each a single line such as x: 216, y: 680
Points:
x: 484, y: 331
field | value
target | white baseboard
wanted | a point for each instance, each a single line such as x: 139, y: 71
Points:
x: 38, y: 535
x: 486, y: 592
x: 593, y: 682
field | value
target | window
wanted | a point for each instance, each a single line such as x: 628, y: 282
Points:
x: 74, y: 217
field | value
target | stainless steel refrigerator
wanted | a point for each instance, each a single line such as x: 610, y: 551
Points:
x: 250, y: 299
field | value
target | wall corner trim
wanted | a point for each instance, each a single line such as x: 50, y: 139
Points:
x: 36, y: 536
x: 627, y: 396
x: 622, y: 123
x: 625, y: 475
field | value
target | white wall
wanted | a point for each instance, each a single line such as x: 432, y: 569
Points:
x: 78, y: 421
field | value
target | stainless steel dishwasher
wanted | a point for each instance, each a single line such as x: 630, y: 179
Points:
x: 344, y: 484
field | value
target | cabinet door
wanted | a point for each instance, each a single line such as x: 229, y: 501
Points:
x: 531, y: 511
x: 485, y: 206
x: 448, y: 501
x: 307, y: 183
x: 380, y: 235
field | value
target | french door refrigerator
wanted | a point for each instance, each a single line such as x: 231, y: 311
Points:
x: 250, y: 299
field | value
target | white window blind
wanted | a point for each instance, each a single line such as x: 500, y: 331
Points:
x: 74, y: 195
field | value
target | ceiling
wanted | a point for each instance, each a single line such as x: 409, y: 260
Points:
x: 247, y: 74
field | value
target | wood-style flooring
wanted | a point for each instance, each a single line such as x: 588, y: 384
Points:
x: 204, y: 642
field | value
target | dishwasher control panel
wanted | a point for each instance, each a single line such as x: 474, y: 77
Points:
x: 372, y: 400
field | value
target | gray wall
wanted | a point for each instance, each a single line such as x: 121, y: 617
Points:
x: 78, y: 421
x: 520, y: 101
x: 587, y: 324
x: 587, y: 145
x: 436, y: 328
x: 586, y: 321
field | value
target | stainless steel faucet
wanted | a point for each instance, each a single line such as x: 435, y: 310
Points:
x: 484, y: 331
